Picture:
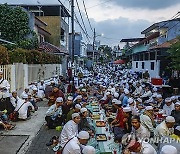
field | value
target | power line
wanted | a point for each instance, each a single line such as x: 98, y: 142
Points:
x: 82, y: 18
x: 87, y: 16
x: 99, y: 4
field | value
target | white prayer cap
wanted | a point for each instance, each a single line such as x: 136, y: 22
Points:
x: 116, y: 95
x: 126, y: 109
x: 178, y: 128
x: 154, y: 95
x: 83, y: 135
x: 167, y: 100
x: 26, y: 87
x: 70, y: 98
x: 79, y: 97
x: 83, y: 110
x: 170, y: 119
x: 118, y: 102
x: 25, y: 96
x: 59, y: 99
x: 84, y: 90
x: 146, y: 69
x: 89, y: 150
x: 154, y: 89
x: 130, y: 100
x: 116, y: 85
x: 114, y: 100
x: 77, y: 106
x: 108, y: 93
x: 75, y: 115
x: 35, y: 88
x: 126, y: 91
x: 168, y: 149
x: 1, y: 71
x: 139, y: 100
x: 149, y: 108
x: 143, y: 86
x: 173, y: 98
x: 159, y: 96
x: 177, y: 103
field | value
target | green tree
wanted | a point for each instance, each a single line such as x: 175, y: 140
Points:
x: 174, y: 52
x: 14, y: 27
x: 107, y: 51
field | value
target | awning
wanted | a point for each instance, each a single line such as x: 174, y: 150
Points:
x: 120, y: 61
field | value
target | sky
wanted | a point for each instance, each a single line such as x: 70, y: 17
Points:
x: 117, y: 19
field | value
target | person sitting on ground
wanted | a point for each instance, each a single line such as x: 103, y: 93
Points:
x: 147, y: 119
x: 133, y: 107
x: 24, y: 108
x: 49, y: 89
x: 54, y: 116
x: 75, y: 145
x: 168, y: 149
x: 168, y: 107
x: 165, y: 128
x: 68, y: 105
x: 127, y: 113
x: 147, y: 94
x: 176, y: 114
x: 14, y: 99
x: 25, y: 92
x: 89, y: 150
x: 138, y: 129
x: 84, y: 124
x: 76, y: 108
x: 70, y: 129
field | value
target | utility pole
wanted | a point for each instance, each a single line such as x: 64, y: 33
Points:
x: 72, y: 50
x: 94, y: 40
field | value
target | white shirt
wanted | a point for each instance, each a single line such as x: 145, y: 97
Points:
x: 5, y: 84
x: 146, y: 122
x: 147, y: 94
x: 138, y: 91
x: 141, y: 133
x: 168, y: 109
x: 14, y: 101
x: 72, y: 147
x: 162, y: 130
x: 70, y: 130
x: 23, y: 94
x: 23, y: 110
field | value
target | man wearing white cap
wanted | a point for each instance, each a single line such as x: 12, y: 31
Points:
x: 133, y: 107
x: 138, y: 91
x: 68, y: 105
x: 54, y: 115
x: 76, y: 108
x: 147, y: 119
x: 75, y: 145
x: 176, y: 113
x: 165, y: 128
x: 168, y: 107
x: 24, y: 107
x: 4, y: 84
x: 126, y: 97
x: 89, y: 150
x: 70, y: 129
x: 127, y: 114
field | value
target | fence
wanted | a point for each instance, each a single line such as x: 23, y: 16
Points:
x: 20, y: 75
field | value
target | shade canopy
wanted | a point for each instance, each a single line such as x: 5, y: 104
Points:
x: 120, y: 61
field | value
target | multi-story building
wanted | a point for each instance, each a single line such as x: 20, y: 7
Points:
x: 150, y: 52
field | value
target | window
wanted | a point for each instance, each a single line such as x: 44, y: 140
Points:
x: 136, y: 64
x: 146, y: 56
x: 152, y: 65
x: 142, y: 65
x: 152, y: 55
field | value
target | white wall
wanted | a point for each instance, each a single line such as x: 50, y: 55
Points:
x: 147, y: 65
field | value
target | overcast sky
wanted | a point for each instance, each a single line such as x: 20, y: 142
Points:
x: 118, y: 19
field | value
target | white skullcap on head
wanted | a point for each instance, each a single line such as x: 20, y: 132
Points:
x: 116, y: 85
x: 75, y: 115
x: 167, y: 100
x: 146, y: 69
x: 79, y: 97
x: 130, y: 100
x: 1, y: 71
x: 177, y: 103
x: 59, y: 99
x: 126, y: 91
x: 114, y: 100
x: 84, y: 90
x: 83, y: 110
x: 27, y: 88
x: 83, y: 135
x: 25, y: 96
x: 118, y: 102
x: 126, y: 109
x: 35, y: 88
x: 89, y: 150
x: 70, y: 98
x: 168, y: 149
x: 154, y: 89
x: 177, y: 128
x: 173, y: 98
x: 149, y: 108
x: 159, y: 96
x: 170, y: 119
x: 139, y: 100
x: 77, y: 106
x: 116, y: 95
x: 154, y: 95
x: 108, y: 93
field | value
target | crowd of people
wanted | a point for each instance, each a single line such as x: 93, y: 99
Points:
x: 146, y: 119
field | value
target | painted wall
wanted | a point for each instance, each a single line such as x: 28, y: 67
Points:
x: 147, y: 65
x: 140, y: 48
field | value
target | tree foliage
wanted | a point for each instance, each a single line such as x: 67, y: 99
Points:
x: 14, y: 27
x: 174, y: 52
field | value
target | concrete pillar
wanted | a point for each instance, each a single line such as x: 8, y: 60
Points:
x: 13, y: 78
x: 26, y: 80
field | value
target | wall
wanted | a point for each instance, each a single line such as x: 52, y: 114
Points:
x: 140, y: 48
x: 147, y: 65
